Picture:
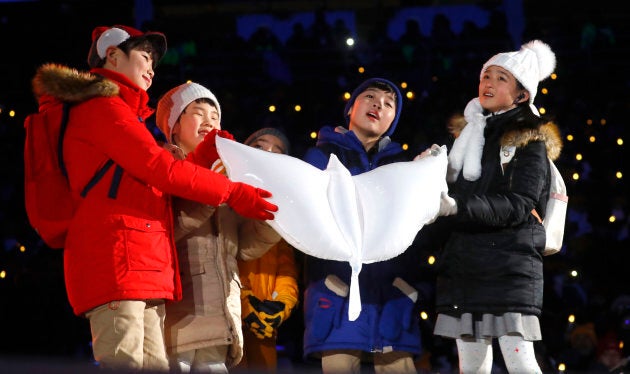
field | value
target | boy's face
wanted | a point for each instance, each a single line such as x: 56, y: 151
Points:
x: 498, y: 89
x: 138, y: 66
x: 269, y: 143
x: 195, y: 122
x: 373, y: 112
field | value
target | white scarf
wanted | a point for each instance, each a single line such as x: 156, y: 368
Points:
x: 468, y: 146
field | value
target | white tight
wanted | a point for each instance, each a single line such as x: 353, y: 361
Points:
x: 475, y: 355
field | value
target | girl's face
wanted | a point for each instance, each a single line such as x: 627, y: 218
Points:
x: 269, y: 143
x: 373, y: 112
x: 498, y: 90
x: 195, y: 122
x: 137, y: 66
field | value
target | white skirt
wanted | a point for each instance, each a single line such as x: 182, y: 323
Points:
x: 490, y: 326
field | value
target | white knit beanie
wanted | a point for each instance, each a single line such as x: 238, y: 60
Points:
x: 173, y: 103
x: 534, y: 62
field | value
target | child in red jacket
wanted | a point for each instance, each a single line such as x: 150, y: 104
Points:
x: 120, y: 265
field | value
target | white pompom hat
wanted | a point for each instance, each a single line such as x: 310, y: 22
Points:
x: 172, y: 104
x: 534, y: 62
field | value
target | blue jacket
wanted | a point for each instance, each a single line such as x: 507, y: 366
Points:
x: 388, y: 319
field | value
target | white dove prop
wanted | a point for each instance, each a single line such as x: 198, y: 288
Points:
x: 333, y: 215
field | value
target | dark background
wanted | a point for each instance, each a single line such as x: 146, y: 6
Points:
x: 225, y: 46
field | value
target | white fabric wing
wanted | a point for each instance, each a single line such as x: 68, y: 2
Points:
x: 333, y: 215
x: 304, y: 218
x: 397, y: 200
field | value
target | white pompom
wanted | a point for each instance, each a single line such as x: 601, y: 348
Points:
x: 546, y: 57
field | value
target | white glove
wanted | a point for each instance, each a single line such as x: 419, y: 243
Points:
x: 448, y: 205
x: 434, y: 150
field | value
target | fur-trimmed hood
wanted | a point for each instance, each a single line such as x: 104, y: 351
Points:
x: 547, y: 132
x: 71, y: 85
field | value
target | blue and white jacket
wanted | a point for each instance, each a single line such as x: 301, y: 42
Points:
x: 388, y: 320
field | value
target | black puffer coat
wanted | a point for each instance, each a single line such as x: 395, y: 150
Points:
x: 492, y: 261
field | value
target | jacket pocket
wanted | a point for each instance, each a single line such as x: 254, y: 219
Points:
x: 146, y: 244
x: 326, y: 307
x: 398, y: 312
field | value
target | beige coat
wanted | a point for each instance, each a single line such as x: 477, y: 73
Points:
x: 208, y: 241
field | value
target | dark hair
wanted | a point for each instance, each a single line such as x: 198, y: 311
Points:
x: 383, y: 86
x: 140, y: 43
x: 206, y: 100
x: 200, y: 100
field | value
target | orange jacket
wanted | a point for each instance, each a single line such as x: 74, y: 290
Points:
x: 272, y: 276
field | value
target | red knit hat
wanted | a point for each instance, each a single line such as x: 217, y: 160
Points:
x: 104, y: 37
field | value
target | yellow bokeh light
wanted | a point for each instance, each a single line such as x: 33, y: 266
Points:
x: 346, y: 95
x: 3, y: 274
x: 570, y: 137
x: 578, y: 157
x: 410, y: 95
x: 554, y: 76
x: 12, y: 113
x: 544, y: 91
x: 298, y: 108
x: 612, y: 218
x: 361, y: 69
x: 403, y: 85
x: 424, y: 315
x: 574, y: 273
x: 22, y: 249
x: 562, y: 367
x: 431, y: 260
x: 592, y: 138
x: 619, y: 141
x: 405, y: 146
x: 575, y: 176
x: 542, y: 110
x: 571, y: 318
x: 602, y: 121
x: 314, y: 135
x: 272, y: 108
x: 619, y: 175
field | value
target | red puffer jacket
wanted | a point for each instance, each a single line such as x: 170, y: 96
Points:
x: 121, y: 248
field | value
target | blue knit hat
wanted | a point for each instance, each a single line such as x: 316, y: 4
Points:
x: 368, y: 83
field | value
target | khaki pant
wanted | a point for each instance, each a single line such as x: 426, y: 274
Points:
x: 349, y: 361
x: 129, y: 334
x: 203, y: 360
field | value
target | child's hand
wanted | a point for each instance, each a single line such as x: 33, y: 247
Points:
x: 448, y: 205
x: 433, y: 151
x: 206, y: 152
x: 250, y: 202
x: 222, y: 133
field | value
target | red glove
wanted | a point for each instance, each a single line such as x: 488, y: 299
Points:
x: 205, y: 154
x: 248, y: 201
